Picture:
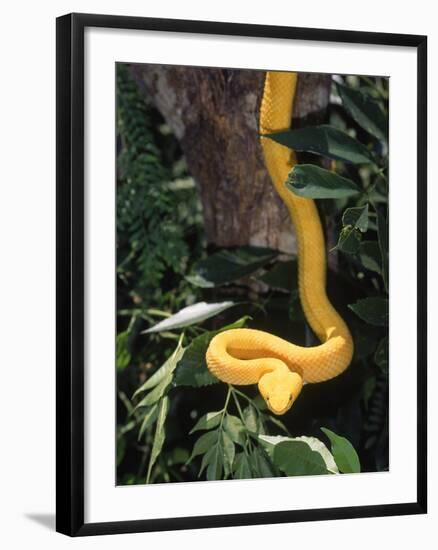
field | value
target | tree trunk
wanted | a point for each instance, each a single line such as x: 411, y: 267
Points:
x: 214, y: 113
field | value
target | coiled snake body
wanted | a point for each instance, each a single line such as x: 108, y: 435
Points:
x: 246, y: 356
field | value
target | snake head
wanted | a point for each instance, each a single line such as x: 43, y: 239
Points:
x: 280, y: 389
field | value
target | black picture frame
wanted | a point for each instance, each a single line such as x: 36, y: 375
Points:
x: 70, y: 272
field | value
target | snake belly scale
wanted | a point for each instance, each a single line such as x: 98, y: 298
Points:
x: 247, y: 356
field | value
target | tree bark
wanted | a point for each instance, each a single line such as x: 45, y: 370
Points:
x: 214, y: 114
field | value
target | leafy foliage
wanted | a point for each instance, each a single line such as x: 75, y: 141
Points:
x: 372, y: 310
x: 313, y: 182
x: 296, y: 458
x: 176, y: 421
x: 365, y: 110
x: 152, y: 222
x: 354, y: 223
x: 343, y: 452
x: 227, y: 266
x: 325, y: 140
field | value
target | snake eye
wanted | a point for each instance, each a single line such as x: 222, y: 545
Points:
x: 290, y: 397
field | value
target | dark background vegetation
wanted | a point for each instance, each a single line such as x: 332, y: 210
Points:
x: 164, y: 264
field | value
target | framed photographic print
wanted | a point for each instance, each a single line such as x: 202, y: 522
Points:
x: 241, y: 274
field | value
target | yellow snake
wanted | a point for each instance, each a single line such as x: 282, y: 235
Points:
x: 246, y: 356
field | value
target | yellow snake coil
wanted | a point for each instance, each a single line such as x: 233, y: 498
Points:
x: 246, y: 356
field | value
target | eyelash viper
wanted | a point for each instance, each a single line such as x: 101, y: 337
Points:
x: 247, y: 356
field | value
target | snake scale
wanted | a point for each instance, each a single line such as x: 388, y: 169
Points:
x: 247, y: 356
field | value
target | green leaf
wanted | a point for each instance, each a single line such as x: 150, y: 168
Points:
x: 382, y: 232
x: 219, y: 457
x: 121, y: 448
x: 270, y: 441
x: 164, y: 371
x: 319, y: 447
x: 126, y: 428
x: 365, y: 111
x: 283, y: 276
x: 217, y: 446
x: 343, y: 452
x: 313, y: 182
x: 251, y: 419
x: 156, y: 394
x: 381, y: 355
x: 296, y: 458
x: 214, y: 461
x: 160, y: 435
x: 190, y: 315
x: 369, y: 254
x: 372, y: 310
x: 349, y: 240
x: 123, y: 353
x: 355, y: 222
x: 148, y: 419
x: 192, y: 368
x: 356, y: 217
x: 325, y: 140
x: 203, y: 444
x: 242, y: 467
x: 261, y: 463
x: 234, y: 428
x: 229, y: 452
x: 229, y: 265
x: 208, y: 421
